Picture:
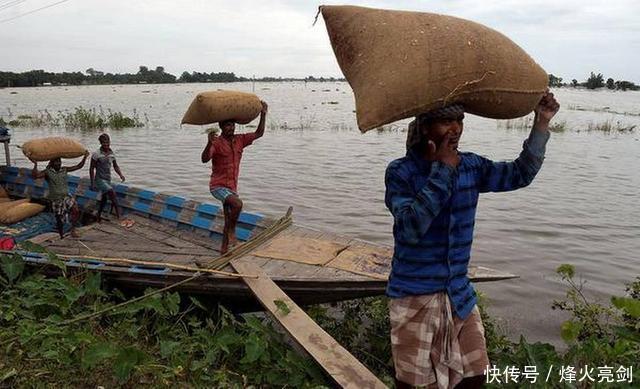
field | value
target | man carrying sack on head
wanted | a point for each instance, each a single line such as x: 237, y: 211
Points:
x: 63, y: 205
x: 437, y: 335
x: 225, y: 153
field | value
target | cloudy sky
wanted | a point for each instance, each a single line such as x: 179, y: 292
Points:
x: 276, y: 38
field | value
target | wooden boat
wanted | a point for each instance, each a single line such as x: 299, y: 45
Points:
x: 174, y: 238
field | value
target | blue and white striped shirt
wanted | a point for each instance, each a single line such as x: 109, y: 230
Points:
x: 434, y: 208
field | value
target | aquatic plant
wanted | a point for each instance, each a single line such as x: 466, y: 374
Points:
x: 79, y: 118
x: 85, y: 119
x: 609, y: 127
x: 558, y: 126
x: 575, y: 107
x: 304, y: 123
x: 389, y: 128
x: 520, y: 124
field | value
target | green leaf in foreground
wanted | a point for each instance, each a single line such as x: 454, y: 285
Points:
x: 566, y: 271
x: 253, y: 349
x: 282, y: 306
x: 12, y: 266
x: 629, y: 305
x: 126, y: 361
x: 570, y: 330
x: 97, y: 354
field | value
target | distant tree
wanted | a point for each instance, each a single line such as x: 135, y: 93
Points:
x: 90, y: 72
x: 574, y: 83
x: 185, y: 77
x: 624, y: 85
x: 610, y: 84
x: 554, y: 81
x: 595, y: 81
x: 160, y: 69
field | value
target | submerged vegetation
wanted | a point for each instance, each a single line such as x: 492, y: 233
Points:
x: 609, y: 127
x: 78, y: 119
x: 526, y: 123
x: 575, y: 107
x: 50, y: 334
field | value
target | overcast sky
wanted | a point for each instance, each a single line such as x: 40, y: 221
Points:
x: 276, y: 38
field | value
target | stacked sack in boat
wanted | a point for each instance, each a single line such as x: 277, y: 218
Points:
x: 400, y: 64
x: 222, y: 105
x: 4, y: 196
x: 18, y: 210
x: 45, y: 149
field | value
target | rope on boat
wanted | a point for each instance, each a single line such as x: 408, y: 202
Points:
x: 152, y: 263
x: 244, y: 248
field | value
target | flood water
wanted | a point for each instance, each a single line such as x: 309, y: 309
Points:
x: 582, y: 208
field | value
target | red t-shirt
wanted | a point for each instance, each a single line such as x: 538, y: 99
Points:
x: 225, y: 160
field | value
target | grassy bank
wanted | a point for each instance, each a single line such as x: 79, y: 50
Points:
x: 173, y: 340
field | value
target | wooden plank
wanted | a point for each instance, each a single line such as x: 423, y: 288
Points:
x: 343, y: 367
x: 46, y: 237
x: 188, y: 236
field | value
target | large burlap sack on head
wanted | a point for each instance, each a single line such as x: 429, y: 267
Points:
x: 400, y: 64
x: 44, y: 149
x: 218, y: 106
x: 20, y: 212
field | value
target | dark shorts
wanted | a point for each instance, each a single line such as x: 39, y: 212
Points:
x: 63, y: 207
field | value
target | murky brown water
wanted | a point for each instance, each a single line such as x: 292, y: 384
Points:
x: 582, y: 208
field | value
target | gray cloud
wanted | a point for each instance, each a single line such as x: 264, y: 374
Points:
x: 569, y: 38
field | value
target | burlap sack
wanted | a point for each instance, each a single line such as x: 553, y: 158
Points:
x: 44, y: 149
x: 10, y: 204
x: 218, y: 106
x: 3, y: 193
x: 20, y: 212
x: 400, y: 64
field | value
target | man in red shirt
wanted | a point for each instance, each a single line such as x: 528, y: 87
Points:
x: 225, y: 152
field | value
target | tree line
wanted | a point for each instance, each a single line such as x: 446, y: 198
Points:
x: 143, y: 76
x: 594, y: 81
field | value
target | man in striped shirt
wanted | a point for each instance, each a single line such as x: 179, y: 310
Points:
x: 436, y: 332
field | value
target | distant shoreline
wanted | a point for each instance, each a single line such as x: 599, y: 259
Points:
x: 34, y: 78
x: 158, y: 76
x: 175, y: 83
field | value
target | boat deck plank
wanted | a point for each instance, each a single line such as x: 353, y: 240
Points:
x: 154, y: 241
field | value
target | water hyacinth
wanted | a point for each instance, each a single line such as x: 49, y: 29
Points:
x: 79, y: 118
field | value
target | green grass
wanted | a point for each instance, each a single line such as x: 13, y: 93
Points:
x: 79, y: 118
